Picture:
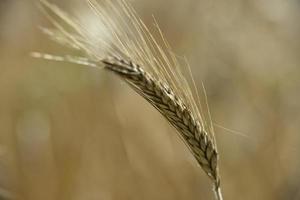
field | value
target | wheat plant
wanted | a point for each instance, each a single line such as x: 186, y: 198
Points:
x: 126, y: 47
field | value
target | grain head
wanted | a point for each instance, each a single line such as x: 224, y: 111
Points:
x: 129, y: 49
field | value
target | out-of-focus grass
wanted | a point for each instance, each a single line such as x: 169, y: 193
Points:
x: 68, y: 132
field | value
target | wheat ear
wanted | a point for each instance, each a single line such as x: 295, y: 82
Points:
x: 150, y: 69
x: 163, y: 98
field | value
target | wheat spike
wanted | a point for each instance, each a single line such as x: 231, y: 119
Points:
x: 151, y: 69
x: 163, y: 98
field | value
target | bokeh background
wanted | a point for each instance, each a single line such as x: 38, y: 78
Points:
x: 71, y: 132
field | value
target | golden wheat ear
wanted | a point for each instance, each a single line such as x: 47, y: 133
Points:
x: 148, y: 66
x: 178, y: 114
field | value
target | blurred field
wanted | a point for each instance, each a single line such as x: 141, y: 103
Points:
x: 69, y: 132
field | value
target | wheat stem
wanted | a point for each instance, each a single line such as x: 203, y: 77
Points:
x: 217, y: 192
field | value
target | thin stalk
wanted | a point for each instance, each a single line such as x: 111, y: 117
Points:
x: 217, y: 191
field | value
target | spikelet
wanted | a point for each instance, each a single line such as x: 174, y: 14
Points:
x: 127, y: 48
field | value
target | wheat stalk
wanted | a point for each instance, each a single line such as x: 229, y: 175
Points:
x: 152, y: 70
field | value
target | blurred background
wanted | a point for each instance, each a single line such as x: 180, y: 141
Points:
x: 71, y: 132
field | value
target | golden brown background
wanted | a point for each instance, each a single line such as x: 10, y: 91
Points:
x: 70, y: 132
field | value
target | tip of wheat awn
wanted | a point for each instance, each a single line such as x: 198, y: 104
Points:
x: 128, y: 49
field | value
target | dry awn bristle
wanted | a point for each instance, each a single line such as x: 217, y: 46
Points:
x: 127, y: 48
